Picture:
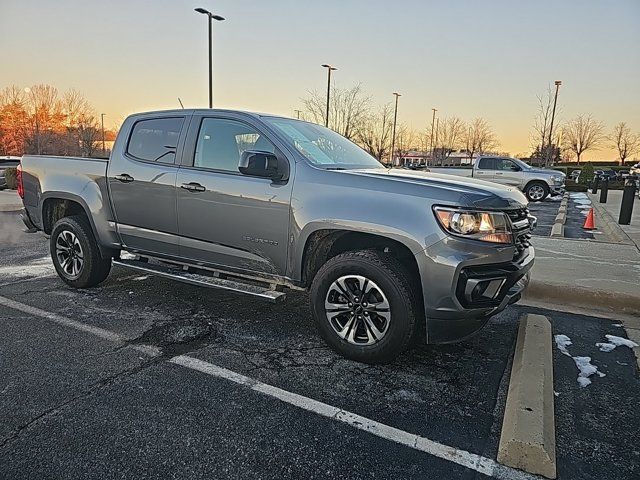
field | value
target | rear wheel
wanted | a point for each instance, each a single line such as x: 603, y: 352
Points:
x: 75, y: 253
x: 536, y: 191
x: 364, y: 306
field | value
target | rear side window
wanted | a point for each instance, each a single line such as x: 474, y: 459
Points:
x: 487, y: 164
x: 156, y: 139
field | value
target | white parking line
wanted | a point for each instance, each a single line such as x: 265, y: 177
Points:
x: 466, y: 459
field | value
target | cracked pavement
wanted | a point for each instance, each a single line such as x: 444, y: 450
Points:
x: 76, y: 406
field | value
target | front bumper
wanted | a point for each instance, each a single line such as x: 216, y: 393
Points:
x: 464, y: 284
x: 557, y: 189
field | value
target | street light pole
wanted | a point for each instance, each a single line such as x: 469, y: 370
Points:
x: 211, y: 17
x: 437, y: 128
x: 553, y: 113
x: 298, y: 112
x: 393, y: 135
x: 329, y: 70
x: 102, y: 122
x: 433, y: 122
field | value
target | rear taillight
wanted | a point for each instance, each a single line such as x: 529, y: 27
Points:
x: 19, y: 179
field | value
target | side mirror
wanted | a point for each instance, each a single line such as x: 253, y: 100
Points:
x: 515, y: 168
x: 256, y: 163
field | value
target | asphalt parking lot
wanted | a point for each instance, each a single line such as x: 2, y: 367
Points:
x: 94, y: 403
x: 577, y: 209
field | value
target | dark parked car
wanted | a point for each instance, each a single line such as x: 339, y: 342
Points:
x: 7, y: 162
x: 608, y: 174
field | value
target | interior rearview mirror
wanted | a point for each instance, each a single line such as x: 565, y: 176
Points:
x: 257, y: 163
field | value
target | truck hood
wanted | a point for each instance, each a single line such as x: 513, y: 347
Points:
x: 470, y: 191
x: 543, y: 171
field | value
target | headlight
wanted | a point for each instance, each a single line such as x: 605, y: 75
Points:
x: 477, y: 225
x: 557, y: 178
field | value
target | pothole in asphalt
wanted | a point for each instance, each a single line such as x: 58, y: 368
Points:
x: 178, y: 337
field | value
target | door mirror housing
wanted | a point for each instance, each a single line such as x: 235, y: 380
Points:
x: 256, y: 163
x: 516, y: 168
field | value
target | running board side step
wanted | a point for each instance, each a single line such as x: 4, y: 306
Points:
x: 181, y: 275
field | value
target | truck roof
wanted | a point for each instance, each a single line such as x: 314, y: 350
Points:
x: 192, y: 111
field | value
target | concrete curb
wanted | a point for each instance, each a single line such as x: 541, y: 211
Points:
x: 561, y: 218
x: 557, y: 230
x: 583, y: 297
x: 608, y: 225
x: 528, y: 439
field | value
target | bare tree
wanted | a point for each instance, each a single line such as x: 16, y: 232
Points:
x: 406, y: 141
x: 625, y: 141
x: 14, y: 120
x: 581, y: 134
x: 348, y: 109
x: 480, y: 138
x: 375, y: 133
x: 542, y: 125
x: 88, y: 135
x: 451, y: 132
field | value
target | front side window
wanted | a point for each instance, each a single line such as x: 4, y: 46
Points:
x: 221, y: 143
x: 505, y: 164
x: 155, y: 139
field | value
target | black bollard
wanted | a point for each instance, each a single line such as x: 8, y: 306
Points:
x: 594, y: 185
x: 604, y: 190
x: 626, y: 208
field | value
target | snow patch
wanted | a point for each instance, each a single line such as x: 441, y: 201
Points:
x: 614, y: 342
x: 562, y: 342
x: 586, y: 369
x: 37, y: 268
x: 143, y: 277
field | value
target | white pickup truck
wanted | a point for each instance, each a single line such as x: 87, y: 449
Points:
x: 536, y: 183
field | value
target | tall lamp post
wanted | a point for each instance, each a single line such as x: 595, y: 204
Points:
x: 553, y: 112
x: 211, y: 17
x: 329, y: 70
x: 102, y: 122
x: 393, y: 135
x: 433, y: 124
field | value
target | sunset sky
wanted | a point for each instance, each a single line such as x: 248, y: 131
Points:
x: 466, y: 58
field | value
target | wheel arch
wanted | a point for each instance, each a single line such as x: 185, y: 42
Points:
x: 57, y: 205
x: 325, y: 243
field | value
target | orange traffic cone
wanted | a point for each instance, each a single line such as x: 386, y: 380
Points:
x: 589, y: 224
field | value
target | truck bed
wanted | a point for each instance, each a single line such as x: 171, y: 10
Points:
x: 64, y: 177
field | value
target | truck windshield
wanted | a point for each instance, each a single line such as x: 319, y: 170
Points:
x: 323, y: 147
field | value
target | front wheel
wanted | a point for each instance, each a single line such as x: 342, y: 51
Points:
x: 536, y: 191
x: 364, y: 306
x: 75, y: 253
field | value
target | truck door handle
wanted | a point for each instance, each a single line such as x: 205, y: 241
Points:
x: 124, y: 177
x: 498, y: 173
x: 193, y: 187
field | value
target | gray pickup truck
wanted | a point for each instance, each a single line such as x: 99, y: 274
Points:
x: 259, y: 204
x: 536, y: 183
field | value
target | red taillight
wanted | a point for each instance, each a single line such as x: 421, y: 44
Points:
x: 19, y: 179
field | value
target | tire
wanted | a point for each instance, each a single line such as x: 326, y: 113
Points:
x: 387, y: 280
x: 72, y: 239
x: 536, y: 191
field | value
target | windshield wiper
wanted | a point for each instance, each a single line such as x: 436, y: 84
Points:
x: 334, y: 168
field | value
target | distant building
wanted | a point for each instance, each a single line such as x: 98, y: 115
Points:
x: 415, y: 158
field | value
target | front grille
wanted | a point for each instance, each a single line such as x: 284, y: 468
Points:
x: 517, y: 215
x: 522, y: 236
